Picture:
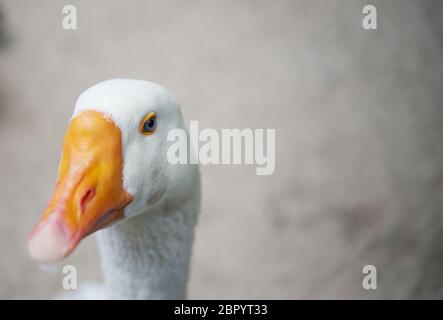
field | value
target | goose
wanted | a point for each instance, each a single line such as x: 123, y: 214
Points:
x: 114, y: 178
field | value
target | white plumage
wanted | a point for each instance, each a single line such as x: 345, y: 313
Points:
x: 146, y: 255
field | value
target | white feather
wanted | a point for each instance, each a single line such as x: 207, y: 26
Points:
x: 147, y: 254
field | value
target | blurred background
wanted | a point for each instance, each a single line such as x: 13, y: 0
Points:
x: 358, y: 118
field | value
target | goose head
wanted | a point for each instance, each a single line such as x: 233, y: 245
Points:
x: 113, y: 164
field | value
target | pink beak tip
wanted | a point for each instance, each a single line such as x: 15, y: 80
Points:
x: 48, y: 242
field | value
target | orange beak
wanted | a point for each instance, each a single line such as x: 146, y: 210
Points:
x: 89, y: 193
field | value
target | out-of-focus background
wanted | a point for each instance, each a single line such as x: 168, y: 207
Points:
x: 358, y: 118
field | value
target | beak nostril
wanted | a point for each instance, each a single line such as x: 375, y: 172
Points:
x: 87, y: 197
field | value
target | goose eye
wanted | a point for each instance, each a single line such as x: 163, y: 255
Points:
x: 148, y: 124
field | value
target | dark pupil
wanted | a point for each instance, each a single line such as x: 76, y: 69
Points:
x: 149, y: 125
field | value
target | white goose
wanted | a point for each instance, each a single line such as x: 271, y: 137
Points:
x: 114, y: 170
